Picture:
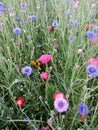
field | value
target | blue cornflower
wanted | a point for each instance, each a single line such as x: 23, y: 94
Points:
x: 1, y: 5
x: 83, y: 109
x: 23, y: 5
x: 26, y: 70
x: 17, y: 30
x: 16, y: 19
x: 44, y: 0
x: 92, y: 69
x: 33, y: 17
x: 26, y: 117
x: 32, y: 128
x: 2, y: 9
x: 54, y: 23
x: 71, y: 38
x: 68, y: 12
x: 71, y: 21
x: 90, y: 34
x: 76, y: 22
x: 96, y: 29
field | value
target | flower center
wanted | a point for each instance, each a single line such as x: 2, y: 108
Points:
x: 92, y: 70
x: 60, y: 104
x: 27, y: 70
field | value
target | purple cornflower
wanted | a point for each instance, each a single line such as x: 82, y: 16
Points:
x: 2, y: 25
x: 26, y: 70
x: 71, y: 38
x: 90, y: 34
x: 33, y: 17
x: 61, y: 104
x: 92, y: 69
x: 83, y: 109
x: 23, y: 5
x: 54, y: 23
x: 17, y: 30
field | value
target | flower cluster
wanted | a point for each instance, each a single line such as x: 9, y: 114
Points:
x: 73, y: 22
x: 83, y: 110
x: 54, y: 24
x: 92, y: 34
x: 92, y: 66
x: 60, y: 103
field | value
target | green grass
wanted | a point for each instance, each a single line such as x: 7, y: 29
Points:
x: 63, y: 76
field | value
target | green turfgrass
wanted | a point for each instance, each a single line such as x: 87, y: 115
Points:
x: 63, y: 76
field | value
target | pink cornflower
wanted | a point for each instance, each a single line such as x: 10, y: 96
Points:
x: 61, y: 104
x: 76, y: 4
x: 79, y: 51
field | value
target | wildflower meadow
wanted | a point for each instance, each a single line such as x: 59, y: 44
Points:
x: 49, y: 65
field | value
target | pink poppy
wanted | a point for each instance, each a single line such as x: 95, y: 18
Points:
x: 44, y: 75
x: 45, y: 58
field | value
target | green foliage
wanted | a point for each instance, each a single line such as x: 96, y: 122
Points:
x: 67, y: 73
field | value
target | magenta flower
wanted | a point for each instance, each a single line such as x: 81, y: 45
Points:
x: 93, y: 61
x: 44, y: 75
x: 45, y: 58
x: 61, y: 104
x: 58, y: 95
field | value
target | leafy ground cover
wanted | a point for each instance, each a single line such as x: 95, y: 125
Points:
x: 49, y: 65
